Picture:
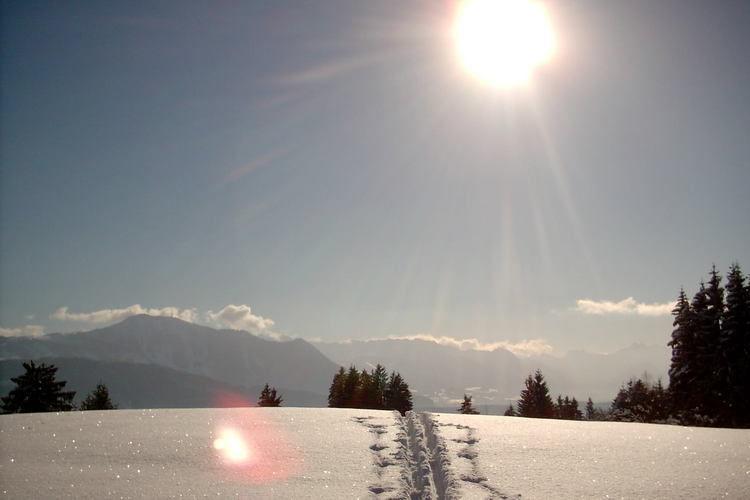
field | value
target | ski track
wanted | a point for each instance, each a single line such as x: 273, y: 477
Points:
x: 416, y: 446
x: 383, y: 456
x: 470, y: 452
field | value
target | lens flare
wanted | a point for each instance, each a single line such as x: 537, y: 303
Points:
x: 232, y: 446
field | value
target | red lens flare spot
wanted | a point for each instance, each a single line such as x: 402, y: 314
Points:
x: 252, y: 448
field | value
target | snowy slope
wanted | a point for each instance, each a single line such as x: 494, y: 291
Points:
x: 562, y: 459
x: 337, y: 453
x: 291, y: 453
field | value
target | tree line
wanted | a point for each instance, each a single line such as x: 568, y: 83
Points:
x: 709, y: 374
x: 38, y: 390
x: 636, y: 401
x: 375, y: 390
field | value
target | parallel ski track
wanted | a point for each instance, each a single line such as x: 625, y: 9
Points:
x: 422, y: 453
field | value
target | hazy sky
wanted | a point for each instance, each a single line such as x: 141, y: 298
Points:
x: 331, y: 166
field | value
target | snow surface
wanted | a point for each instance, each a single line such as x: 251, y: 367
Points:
x: 342, y: 453
x: 539, y: 458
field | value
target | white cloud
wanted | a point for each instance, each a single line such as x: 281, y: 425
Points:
x: 238, y: 317
x: 241, y: 317
x: 104, y: 316
x: 627, y: 306
x: 522, y: 348
x: 23, y: 331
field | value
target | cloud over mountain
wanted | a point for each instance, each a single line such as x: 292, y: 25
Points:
x: 523, y: 348
x: 627, y: 306
x: 106, y: 316
x: 240, y: 317
x: 22, y: 331
x: 237, y: 317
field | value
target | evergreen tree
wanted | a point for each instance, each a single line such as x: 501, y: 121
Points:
x: 660, y: 403
x: 397, y: 394
x: 510, y: 412
x: 682, y: 369
x: 573, y: 411
x: 351, y: 384
x: 716, y: 396
x: 632, y: 403
x: 379, y: 384
x: 535, y: 400
x: 735, y: 348
x: 640, y: 401
x: 567, y: 409
x: 269, y: 398
x: 37, y: 391
x: 700, y: 385
x: 466, y: 407
x: 365, y: 397
x: 707, y: 394
x: 374, y: 390
x: 98, y: 399
x: 590, y: 410
x: 336, y: 391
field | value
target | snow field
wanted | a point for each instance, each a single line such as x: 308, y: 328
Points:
x: 350, y: 453
x: 548, y: 459
x: 289, y: 453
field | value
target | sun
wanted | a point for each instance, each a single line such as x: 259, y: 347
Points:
x: 502, y: 42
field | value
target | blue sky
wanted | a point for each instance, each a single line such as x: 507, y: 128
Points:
x: 330, y: 167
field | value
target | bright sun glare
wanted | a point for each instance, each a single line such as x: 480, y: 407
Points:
x: 503, y: 41
x: 232, y: 446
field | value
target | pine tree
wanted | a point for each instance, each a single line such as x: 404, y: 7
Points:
x: 561, y: 407
x: 702, y: 359
x: 535, y: 400
x: 706, y: 389
x: 510, y: 412
x: 575, y: 412
x: 98, y: 399
x: 336, y: 391
x: 373, y: 390
x: 659, y: 401
x: 379, y: 384
x: 397, y: 394
x: 269, y: 398
x: 351, y: 383
x: 37, y: 391
x: 640, y: 401
x: 735, y: 348
x: 365, y: 397
x: 590, y: 410
x: 567, y: 409
x: 682, y: 370
x: 466, y: 407
x: 716, y: 397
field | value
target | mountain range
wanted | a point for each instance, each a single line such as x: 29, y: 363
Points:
x: 444, y: 373
x: 151, y: 361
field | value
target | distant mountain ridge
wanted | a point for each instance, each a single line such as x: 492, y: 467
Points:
x: 433, y: 370
x: 495, y: 377
x: 235, y: 359
x: 229, y: 356
x: 133, y: 385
